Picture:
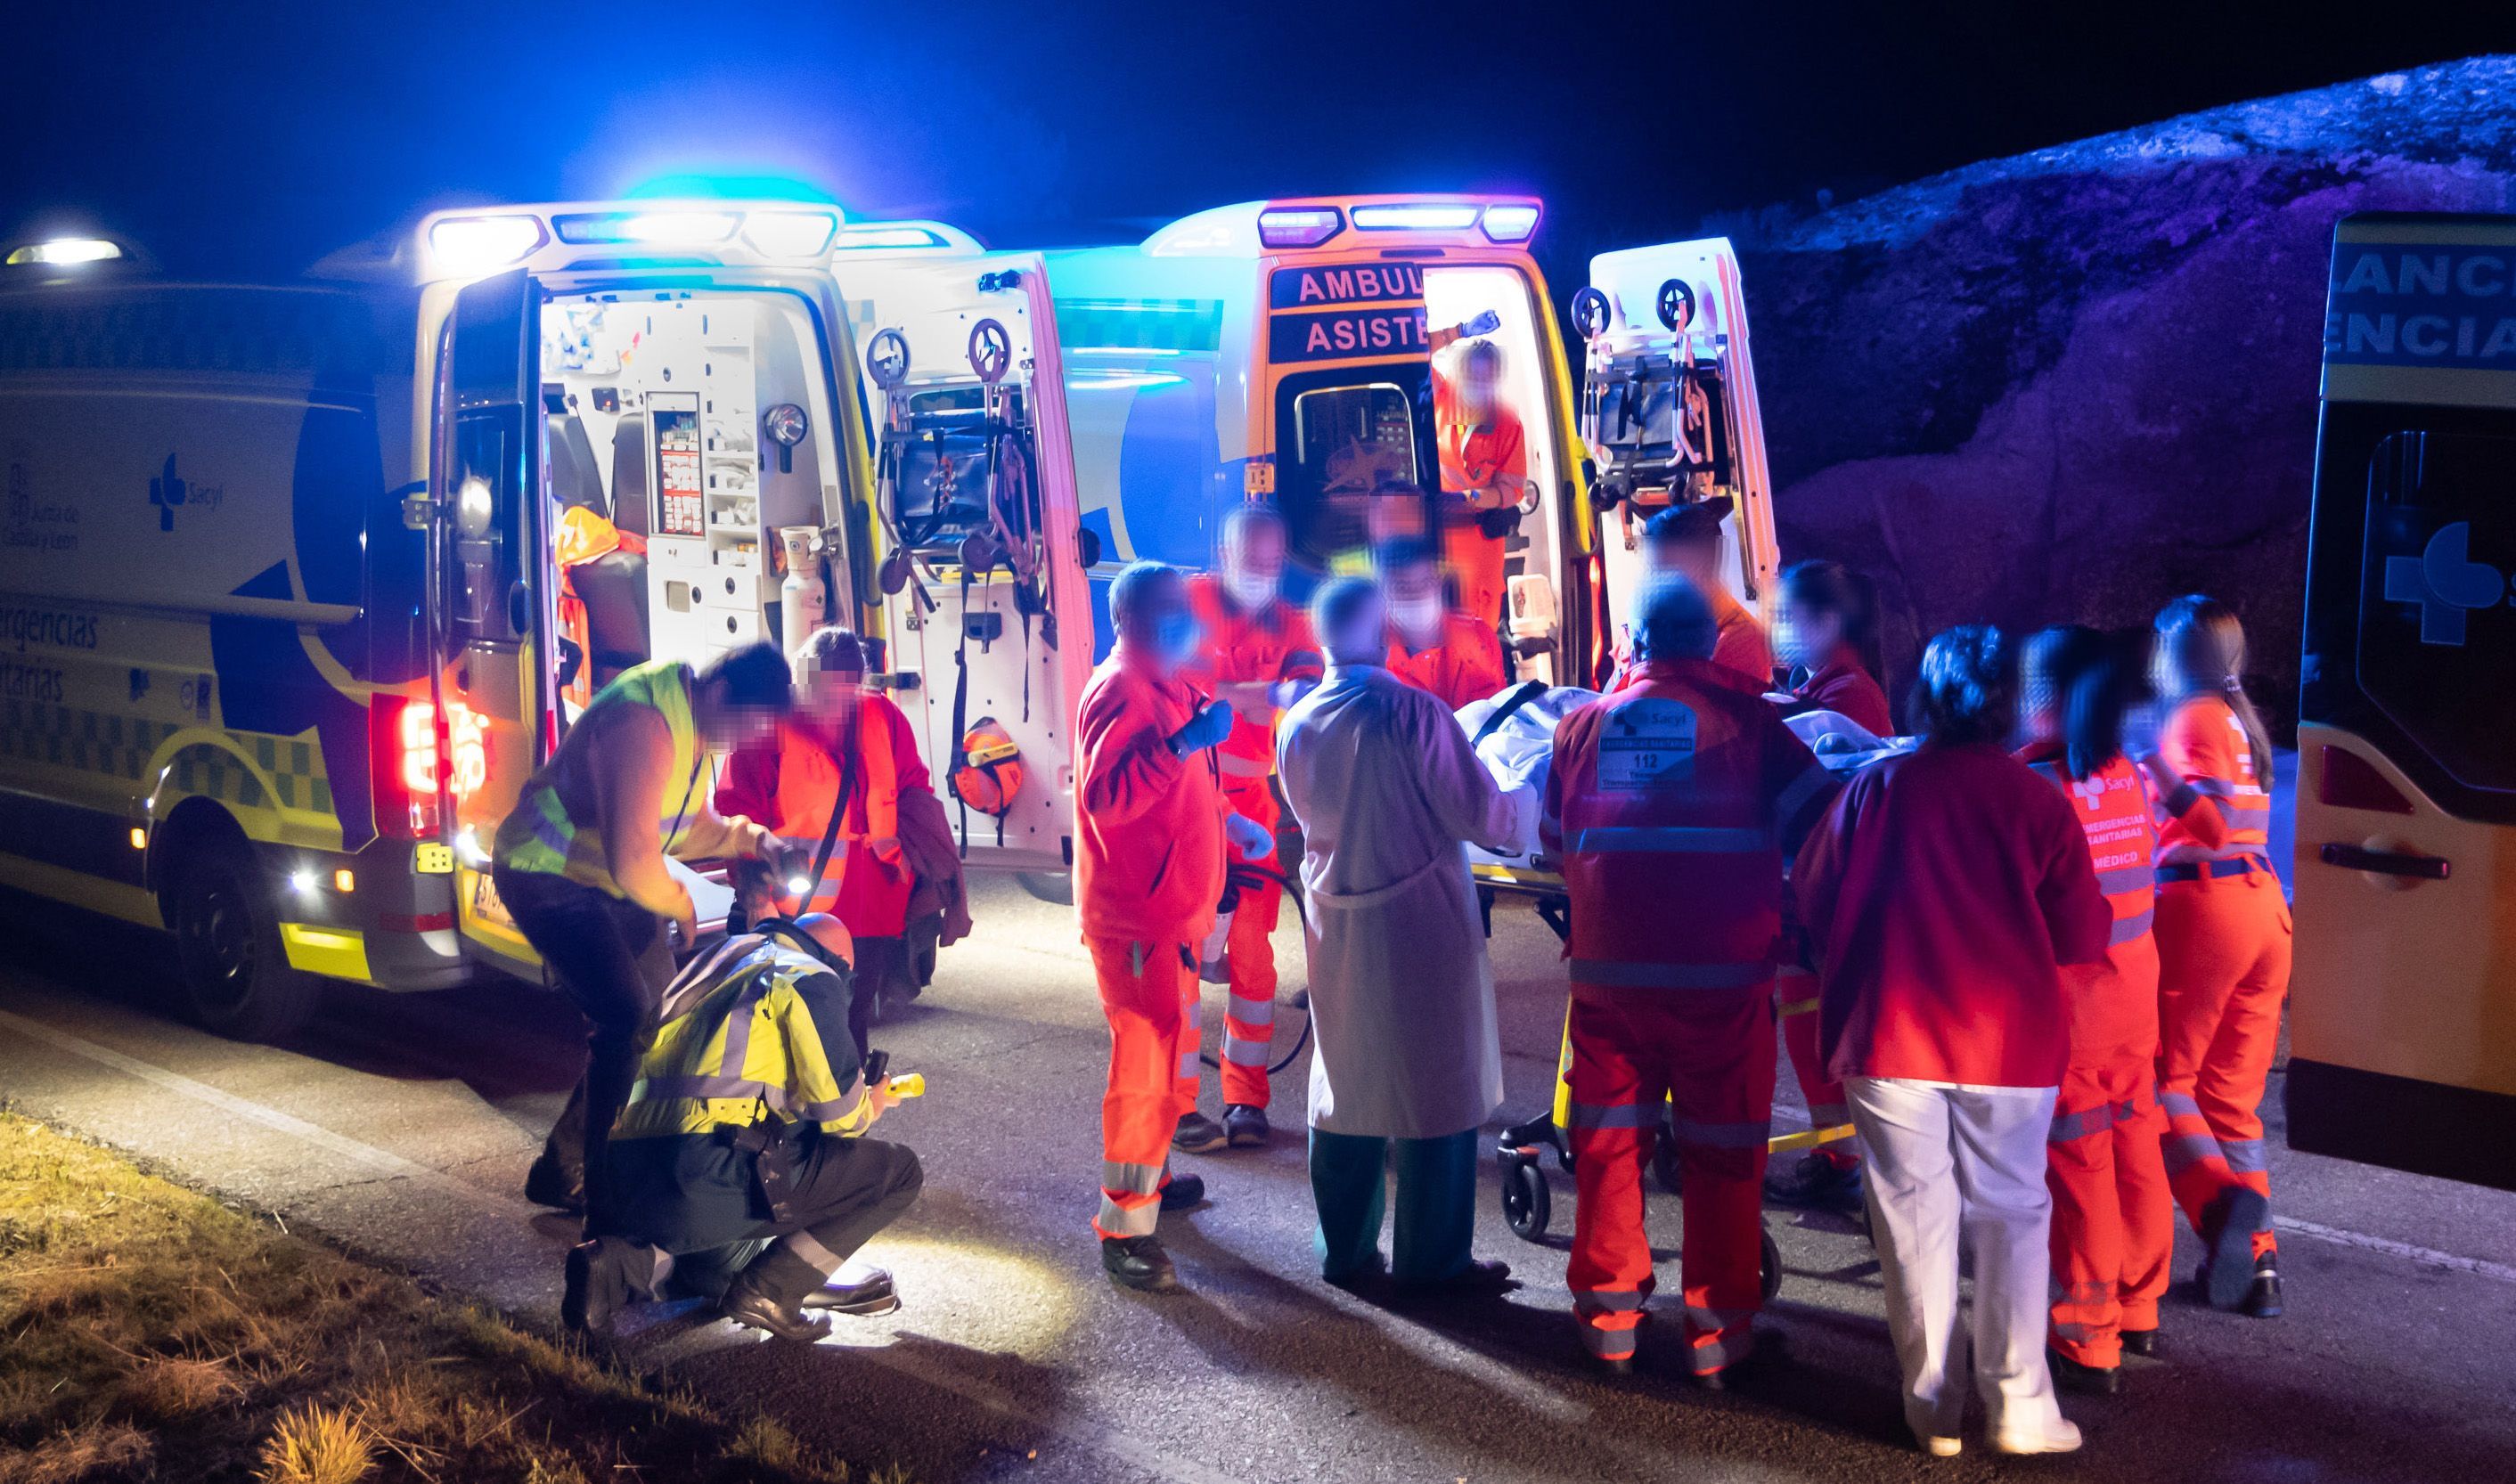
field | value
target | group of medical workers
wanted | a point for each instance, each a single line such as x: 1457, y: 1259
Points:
x: 2034, y: 956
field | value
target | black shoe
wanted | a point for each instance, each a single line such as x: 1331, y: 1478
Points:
x: 604, y: 1275
x: 1245, y: 1126
x: 1197, y: 1133
x: 1369, y: 1275
x: 2140, y: 1342
x: 1816, y: 1181
x: 2087, y: 1381
x: 548, y: 1184
x: 2228, y: 1272
x: 1182, y: 1192
x: 873, y: 1293
x: 1139, y: 1263
x: 1477, y: 1277
x: 2262, y: 1298
x: 1764, y: 1348
x: 745, y: 1304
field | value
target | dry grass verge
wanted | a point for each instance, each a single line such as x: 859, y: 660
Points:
x: 148, y: 1331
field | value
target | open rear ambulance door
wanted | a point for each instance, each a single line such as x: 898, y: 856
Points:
x: 1669, y: 409
x: 987, y: 610
x: 489, y: 606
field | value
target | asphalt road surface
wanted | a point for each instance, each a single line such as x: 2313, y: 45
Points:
x: 400, y: 1127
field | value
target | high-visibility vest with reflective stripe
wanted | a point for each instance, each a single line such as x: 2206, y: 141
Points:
x: 747, y: 1033
x: 2205, y: 744
x: 542, y: 835
x: 2113, y: 806
x: 1668, y: 798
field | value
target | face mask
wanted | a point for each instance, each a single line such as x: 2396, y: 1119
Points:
x: 1250, y: 591
x: 1792, y: 645
x: 1417, y: 618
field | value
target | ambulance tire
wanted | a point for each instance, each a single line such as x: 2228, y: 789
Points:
x: 1527, y: 1204
x: 1056, y: 887
x: 1769, y: 1265
x: 235, y: 979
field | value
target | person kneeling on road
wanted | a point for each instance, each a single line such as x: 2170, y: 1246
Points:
x: 747, y: 1124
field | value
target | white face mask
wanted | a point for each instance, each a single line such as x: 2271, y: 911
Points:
x: 1419, y: 619
x: 1250, y: 591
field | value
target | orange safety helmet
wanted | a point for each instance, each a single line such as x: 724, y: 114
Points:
x: 991, y: 777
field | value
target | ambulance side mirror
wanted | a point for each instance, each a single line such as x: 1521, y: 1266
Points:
x: 1087, y: 547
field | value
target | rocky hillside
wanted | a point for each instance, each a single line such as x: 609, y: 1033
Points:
x: 2077, y: 381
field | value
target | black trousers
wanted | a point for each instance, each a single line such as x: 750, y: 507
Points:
x: 703, y: 1199
x: 610, y: 959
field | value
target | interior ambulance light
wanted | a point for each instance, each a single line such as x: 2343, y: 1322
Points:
x: 1300, y: 226
x: 62, y: 251
x: 791, y: 234
x: 1510, y: 222
x: 866, y: 237
x: 1415, y: 218
x: 467, y: 245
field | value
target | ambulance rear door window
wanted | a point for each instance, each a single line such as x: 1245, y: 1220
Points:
x: 2437, y: 634
x: 1347, y: 435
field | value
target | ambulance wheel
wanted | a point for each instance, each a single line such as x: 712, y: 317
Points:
x: 1527, y: 1204
x: 1664, y: 1164
x: 235, y: 976
x: 1769, y: 1266
x: 1056, y: 887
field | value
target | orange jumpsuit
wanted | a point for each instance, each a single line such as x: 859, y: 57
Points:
x: 1475, y: 456
x: 1465, y: 666
x: 1681, y: 788
x: 2113, y: 1217
x: 1147, y: 872
x: 790, y: 782
x: 1263, y: 648
x: 2223, y: 962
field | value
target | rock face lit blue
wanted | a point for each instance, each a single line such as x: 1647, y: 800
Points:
x: 2077, y: 381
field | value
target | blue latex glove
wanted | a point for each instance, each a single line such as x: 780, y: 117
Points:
x: 1483, y: 324
x: 1249, y: 837
x: 1208, y: 727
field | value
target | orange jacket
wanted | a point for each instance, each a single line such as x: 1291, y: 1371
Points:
x: 1465, y: 666
x: 1684, y: 788
x: 2221, y: 810
x: 1239, y: 648
x: 1149, y: 859
x: 2113, y: 1004
x: 1741, y: 646
x: 1473, y: 456
x: 790, y: 782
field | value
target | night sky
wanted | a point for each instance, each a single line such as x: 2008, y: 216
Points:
x: 233, y: 138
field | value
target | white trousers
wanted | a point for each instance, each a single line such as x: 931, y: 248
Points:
x: 1945, y: 1160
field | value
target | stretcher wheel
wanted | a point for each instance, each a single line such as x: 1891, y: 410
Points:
x: 991, y: 350
x: 1664, y: 1163
x: 1676, y: 304
x: 1590, y: 313
x: 1527, y: 1204
x: 887, y: 359
x: 1769, y: 1266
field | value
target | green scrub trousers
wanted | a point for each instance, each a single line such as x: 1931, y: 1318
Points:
x: 1436, y: 1195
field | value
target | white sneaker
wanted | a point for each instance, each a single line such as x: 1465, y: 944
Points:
x: 2060, y: 1435
x: 1939, y: 1447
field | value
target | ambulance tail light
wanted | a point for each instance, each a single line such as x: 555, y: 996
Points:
x: 1301, y: 226
x: 1431, y: 217
x: 1509, y: 221
x: 2351, y: 782
x: 472, y: 246
x: 402, y: 762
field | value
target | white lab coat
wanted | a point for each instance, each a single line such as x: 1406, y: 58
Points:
x: 1386, y: 788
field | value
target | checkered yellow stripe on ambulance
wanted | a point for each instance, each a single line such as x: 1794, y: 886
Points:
x: 116, y: 745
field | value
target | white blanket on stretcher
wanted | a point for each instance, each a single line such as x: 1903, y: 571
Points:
x: 1519, y: 751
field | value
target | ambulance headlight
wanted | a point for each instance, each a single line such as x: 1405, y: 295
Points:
x: 1510, y: 222
x: 1415, y: 218
x: 464, y: 246
x: 787, y: 424
x: 791, y: 234
x: 1299, y: 225
x: 63, y: 251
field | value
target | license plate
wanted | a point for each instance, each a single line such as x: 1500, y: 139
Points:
x: 486, y: 905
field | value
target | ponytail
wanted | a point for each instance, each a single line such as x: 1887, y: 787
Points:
x: 2205, y: 648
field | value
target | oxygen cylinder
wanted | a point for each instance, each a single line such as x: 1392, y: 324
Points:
x: 803, y: 598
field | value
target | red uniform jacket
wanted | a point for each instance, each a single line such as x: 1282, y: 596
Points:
x: 789, y: 782
x: 1741, y: 646
x: 1465, y: 666
x: 1245, y: 649
x: 1944, y: 892
x: 2114, y: 1002
x: 1843, y: 685
x: 1148, y: 860
x: 1670, y: 804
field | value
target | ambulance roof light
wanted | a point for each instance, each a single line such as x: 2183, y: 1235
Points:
x: 791, y: 234
x: 1300, y: 226
x: 63, y: 252
x: 675, y: 228
x: 866, y: 238
x: 1430, y: 217
x: 1510, y: 221
x: 470, y: 246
